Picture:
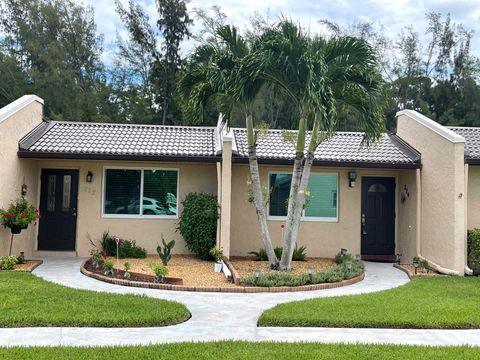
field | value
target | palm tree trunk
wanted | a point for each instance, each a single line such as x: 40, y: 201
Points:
x: 258, y: 194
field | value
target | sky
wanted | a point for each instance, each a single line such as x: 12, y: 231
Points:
x: 393, y: 14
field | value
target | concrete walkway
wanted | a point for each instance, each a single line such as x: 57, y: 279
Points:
x: 220, y: 316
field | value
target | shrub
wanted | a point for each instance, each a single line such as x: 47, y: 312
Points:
x: 299, y: 253
x: 474, y: 249
x: 198, y: 223
x: 260, y: 255
x: 330, y: 275
x: 96, y: 258
x: 126, y: 266
x: 126, y: 248
x: 160, y: 271
x: 8, y: 262
x: 341, y: 258
x: 165, y: 252
x: 108, y: 266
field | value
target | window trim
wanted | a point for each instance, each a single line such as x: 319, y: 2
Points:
x: 303, y: 217
x: 139, y: 216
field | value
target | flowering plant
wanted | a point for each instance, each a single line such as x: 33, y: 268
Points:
x: 19, y: 213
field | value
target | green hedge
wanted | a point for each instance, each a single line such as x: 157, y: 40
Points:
x: 474, y: 249
x: 126, y: 248
x: 198, y: 223
x: 330, y: 275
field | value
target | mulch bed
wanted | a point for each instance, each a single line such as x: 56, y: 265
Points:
x: 120, y: 274
x: 409, y: 269
x: 29, y: 265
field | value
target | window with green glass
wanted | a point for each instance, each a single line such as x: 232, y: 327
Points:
x: 142, y: 192
x: 321, y: 200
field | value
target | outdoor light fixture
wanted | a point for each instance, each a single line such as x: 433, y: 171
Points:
x: 89, y: 177
x: 352, y: 176
x: 257, y: 273
x: 309, y: 273
x: 416, y: 263
x: 358, y: 257
x: 348, y: 264
x: 343, y: 251
x: 24, y: 189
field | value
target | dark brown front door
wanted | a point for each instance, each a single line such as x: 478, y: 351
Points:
x: 58, y: 207
x: 378, y: 216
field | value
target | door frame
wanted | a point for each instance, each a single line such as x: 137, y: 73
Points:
x: 39, y: 195
x: 396, y: 197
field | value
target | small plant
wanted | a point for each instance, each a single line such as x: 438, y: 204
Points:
x: 278, y: 252
x: 8, y: 262
x: 299, y: 253
x: 217, y: 253
x: 473, y: 249
x: 96, y: 258
x: 108, y: 267
x: 342, y: 257
x: 126, y: 266
x: 260, y: 255
x: 165, y: 252
x: 160, y: 272
x: 424, y: 265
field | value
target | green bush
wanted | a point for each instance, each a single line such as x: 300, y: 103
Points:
x: 160, y: 271
x: 198, y: 223
x: 108, y: 266
x: 474, y: 249
x: 342, y: 258
x: 330, y: 275
x: 8, y: 262
x: 299, y: 253
x: 126, y: 248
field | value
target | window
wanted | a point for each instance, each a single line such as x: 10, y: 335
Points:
x: 321, y: 202
x: 140, y: 192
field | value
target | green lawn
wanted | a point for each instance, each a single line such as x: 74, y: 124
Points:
x: 440, y: 302
x: 244, y: 350
x: 27, y: 300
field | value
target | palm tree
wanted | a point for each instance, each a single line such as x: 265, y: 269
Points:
x: 321, y: 78
x: 210, y: 74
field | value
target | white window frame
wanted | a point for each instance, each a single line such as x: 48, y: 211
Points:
x: 306, y: 218
x: 139, y: 216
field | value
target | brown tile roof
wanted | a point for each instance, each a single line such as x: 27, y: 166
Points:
x: 187, y: 143
x: 472, y: 140
x: 343, y: 148
x: 121, y: 140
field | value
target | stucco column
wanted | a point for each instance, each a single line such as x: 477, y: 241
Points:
x: 226, y: 192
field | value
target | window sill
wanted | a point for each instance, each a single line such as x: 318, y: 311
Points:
x: 140, y: 217
x: 305, y: 219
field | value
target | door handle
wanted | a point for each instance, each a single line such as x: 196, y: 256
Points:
x: 363, y: 225
x: 74, y: 213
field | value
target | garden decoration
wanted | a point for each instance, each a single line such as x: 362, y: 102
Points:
x: 17, y: 217
x: 117, y: 241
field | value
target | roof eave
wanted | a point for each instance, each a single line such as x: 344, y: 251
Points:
x: 116, y: 157
x: 332, y: 163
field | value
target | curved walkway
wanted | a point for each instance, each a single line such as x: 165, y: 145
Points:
x: 220, y: 316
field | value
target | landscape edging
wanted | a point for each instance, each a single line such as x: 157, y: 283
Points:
x: 239, y: 289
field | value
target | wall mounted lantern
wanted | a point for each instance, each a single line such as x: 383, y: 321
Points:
x: 89, y: 177
x: 352, y: 176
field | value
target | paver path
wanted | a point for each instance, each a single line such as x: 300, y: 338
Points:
x: 219, y: 316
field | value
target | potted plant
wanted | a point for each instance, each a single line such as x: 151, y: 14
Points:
x: 18, y: 215
x: 217, y: 253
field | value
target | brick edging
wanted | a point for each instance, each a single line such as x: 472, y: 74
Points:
x: 37, y: 264
x: 239, y: 289
x: 405, y: 270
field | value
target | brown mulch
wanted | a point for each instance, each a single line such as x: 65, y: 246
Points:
x: 246, y: 265
x: 410, y: 268
x: 29, y: 265
x: 192, y: 270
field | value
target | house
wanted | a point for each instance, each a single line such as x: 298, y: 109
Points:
x: 415, y: 192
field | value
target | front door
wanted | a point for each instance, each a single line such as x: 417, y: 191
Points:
x: 58, y: 207
x: 378, y: 216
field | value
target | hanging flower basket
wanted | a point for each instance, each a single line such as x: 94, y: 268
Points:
x: 16, y: 229
x: 18, y: 215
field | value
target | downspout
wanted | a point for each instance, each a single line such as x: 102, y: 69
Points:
x: 468, y: 271
x: 433, y: 265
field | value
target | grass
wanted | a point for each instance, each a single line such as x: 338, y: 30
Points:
x: 27, y: 300
x: 429, y: 303
x: 244, y: 350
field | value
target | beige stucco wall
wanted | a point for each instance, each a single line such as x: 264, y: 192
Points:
x: 14, y: 171
x: 442, y: 187
x: 147, y: 232
x: 473, y: 197
x: 407, y: 215
x: 323, y: 239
